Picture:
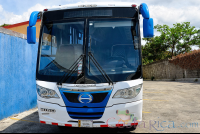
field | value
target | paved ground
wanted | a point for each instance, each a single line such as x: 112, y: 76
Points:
x: 168, y: 107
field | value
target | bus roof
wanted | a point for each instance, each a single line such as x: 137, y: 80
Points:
x: 93, y: 5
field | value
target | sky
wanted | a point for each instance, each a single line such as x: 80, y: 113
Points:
x: 166, y: 12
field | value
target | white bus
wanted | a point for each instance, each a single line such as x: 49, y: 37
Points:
x: 89, y: 64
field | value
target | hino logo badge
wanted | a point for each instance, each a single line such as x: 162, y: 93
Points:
x: 85, y: 98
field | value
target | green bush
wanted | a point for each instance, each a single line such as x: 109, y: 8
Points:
x: 152, y: 78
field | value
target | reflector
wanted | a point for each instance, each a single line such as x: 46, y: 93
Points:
x: 134, y: 5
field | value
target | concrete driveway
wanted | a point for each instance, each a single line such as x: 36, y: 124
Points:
x: 169, y: 106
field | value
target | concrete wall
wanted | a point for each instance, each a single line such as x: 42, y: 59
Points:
x: 22, y: 27
x: 17, y: 73
x: 166, y: 70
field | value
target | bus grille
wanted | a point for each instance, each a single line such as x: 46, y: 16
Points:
x: 97, y: 97
x: 88, y: 111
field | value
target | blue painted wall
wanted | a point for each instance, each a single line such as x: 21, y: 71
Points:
x: 17, y: 75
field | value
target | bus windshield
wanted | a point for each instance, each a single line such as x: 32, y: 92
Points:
x: 113, y: 42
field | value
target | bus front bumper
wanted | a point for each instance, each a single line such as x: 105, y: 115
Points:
x: 113, y: 116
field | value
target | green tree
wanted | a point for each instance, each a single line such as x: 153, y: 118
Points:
x: 154, y: 50
x: 171, y: 42
x: 4, y: 25
x: 179, y: 38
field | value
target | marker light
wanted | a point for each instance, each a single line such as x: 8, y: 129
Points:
x: 134, y: 5
x: 46, y: 93
x: 128, y: 93
x: 45, y: 9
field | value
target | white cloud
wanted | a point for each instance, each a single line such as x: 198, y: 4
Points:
x: 163, y: 12
x: 11, y: 18
x: 37, y: 7
x: 1, y: 8
x: 171, y: 15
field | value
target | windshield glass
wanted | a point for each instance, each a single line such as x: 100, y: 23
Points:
x: 110, y: 36
x: 61, y: 46
x: 115, y: 45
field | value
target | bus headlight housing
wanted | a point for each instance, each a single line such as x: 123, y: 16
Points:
x: 128, y: 93
x: 46, y: 93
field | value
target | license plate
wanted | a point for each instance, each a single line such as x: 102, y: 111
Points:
x: 85, y: 123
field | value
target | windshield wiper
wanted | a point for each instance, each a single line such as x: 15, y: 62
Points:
x: 107, y: 78
x: 73, y: 68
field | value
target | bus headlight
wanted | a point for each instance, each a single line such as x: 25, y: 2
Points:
x: 46, y: 93
x: 128, y: 93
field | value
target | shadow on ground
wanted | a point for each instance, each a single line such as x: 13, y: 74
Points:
x: 30, y: 124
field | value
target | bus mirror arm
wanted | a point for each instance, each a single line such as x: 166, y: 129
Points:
x: 31, y: 29
x: 148, y: 28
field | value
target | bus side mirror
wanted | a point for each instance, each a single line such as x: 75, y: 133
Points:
x: 31, y: 29
x: 148, y: 28
x: 31, y: 34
